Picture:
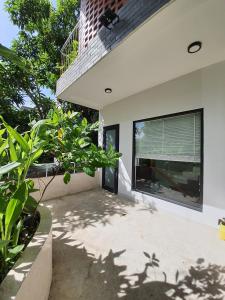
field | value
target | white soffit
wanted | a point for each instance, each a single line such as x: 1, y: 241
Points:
x: 155, y: 53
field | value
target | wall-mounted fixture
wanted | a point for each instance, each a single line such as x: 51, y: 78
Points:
x: 109, y: 18
x: 194, y: 47
x: 108, y: 91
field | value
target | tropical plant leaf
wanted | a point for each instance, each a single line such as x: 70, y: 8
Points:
x: 18, y: 137
x: 2, y: 131
x: 11, y: 56
x: 66, y: 177
x: 41, y: 122
x: 35, y: 155
x: 13, y: 211
x: 3, y: 244
x: 84, y: 122
x: 14, y: 251
x: 89, y: 171
x: 4, y: 146
x: 12, y: 150
x: 9, y: 167
x: 16, y: 233
x: 14, y: 208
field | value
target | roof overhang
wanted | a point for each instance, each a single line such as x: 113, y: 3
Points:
x: 155, y: 53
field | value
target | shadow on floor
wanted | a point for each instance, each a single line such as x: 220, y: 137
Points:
x: 89, y: 209
x: 78, y: 274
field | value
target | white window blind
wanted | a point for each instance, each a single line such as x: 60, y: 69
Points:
x: 175, y: 138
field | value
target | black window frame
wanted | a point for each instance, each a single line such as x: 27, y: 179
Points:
x: 133, y: 187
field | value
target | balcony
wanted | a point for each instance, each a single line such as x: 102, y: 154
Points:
x: 70, y: 49
x: 90, y: 42
x: 146, y: 48
x: 87, y: 28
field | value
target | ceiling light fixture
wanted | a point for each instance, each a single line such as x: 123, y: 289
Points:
x: 194, y: 47
x: 108, y: 91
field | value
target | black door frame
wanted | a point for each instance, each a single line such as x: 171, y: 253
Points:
x: 105, y: 129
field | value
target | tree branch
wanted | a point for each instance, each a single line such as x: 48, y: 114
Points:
x: 55, y: 172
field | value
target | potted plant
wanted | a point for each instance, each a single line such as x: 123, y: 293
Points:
x: 67, y: 137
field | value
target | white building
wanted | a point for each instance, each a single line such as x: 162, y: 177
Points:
x: 158, y: 79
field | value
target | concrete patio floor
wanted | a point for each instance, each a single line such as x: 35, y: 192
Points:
x: 108, y: 248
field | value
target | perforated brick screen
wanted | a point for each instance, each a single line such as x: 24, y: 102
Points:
x: 132, y: 15
x: 92, y: 10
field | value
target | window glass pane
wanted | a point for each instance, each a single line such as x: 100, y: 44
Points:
x: 167, y: 158
x: 149, y: 138
x: 109, y: 174
x: 109, y: 177
x: 110, y: 138
x: 178, y: 181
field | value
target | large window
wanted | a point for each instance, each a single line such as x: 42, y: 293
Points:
x: 168, y: 157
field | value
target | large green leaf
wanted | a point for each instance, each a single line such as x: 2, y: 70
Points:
x: 89, y: 171
x: 12, y: 150
x: 84, y: 122
x: 36, y: 154
x: 84, y: 142
x: 14, y: 208
x: 17, y: 136
x: 13, y: 252
x: 4, y: 146
x: 9, y: 167
x: 41, y: 122
x: 2, y: 131
x: 13, y: 211
x: 66, y: 177
x: 3, y: 244
x: 11, y: 56
x: 16, y: 233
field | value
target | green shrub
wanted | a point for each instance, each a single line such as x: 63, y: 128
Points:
x: 66, y: 136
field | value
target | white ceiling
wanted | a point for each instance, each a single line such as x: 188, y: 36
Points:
x: 154, y: 53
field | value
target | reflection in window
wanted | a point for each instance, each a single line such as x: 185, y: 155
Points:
x: 168, y: 158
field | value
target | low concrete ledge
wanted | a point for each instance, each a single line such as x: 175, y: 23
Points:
x: 79, y: 182
x: 31, y: 276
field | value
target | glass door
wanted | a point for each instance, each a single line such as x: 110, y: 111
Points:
x: 110, y: 175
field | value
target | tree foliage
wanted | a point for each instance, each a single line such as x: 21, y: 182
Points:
x: 43, y: 30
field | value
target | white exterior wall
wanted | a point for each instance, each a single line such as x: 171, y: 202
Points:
x: 79, y: 182
x: 201, y: 89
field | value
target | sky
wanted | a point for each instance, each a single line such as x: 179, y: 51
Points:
x: 8, y: 32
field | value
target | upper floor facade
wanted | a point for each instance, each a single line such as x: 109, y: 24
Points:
x: 145, y: 45
x: 92, y: 39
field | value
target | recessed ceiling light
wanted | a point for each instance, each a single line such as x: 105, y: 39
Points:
x: 108, y: 91
x: 194, y: 47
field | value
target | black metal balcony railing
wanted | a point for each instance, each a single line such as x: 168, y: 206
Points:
x: 69, y: 51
